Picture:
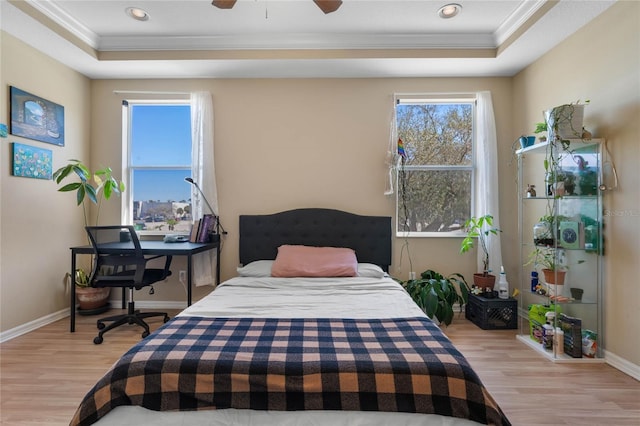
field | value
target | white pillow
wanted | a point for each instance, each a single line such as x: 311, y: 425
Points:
x: 370, y: 270
x: 257, y: 269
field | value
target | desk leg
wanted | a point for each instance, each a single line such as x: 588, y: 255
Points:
x: 72, y: 301
x: 189, y: 271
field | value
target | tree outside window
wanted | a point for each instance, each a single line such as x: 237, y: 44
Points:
x: 435, y: 179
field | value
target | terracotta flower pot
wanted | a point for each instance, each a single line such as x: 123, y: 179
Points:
x: 92, y: 298
x: 554, y: 277
x: 484, y: 281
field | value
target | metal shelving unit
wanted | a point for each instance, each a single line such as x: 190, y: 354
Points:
x: 574, y: 218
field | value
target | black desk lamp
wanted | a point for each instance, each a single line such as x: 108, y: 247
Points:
x: 218, y: 224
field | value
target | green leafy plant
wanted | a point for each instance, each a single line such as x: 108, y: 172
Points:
x: 436, y: 294
x: 94, y: 186
x: 547, y: 258
x: 544, y: 257
x: 81, y: 278
x: 480, y: 228
x: 540, y: 127
x: 560, y: 120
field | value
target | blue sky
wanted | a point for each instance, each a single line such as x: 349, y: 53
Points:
x: 161, y: 135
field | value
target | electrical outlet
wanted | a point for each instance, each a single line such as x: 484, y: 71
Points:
x: 183, y: 275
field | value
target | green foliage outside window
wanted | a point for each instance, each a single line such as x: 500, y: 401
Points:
x: 435, y: 181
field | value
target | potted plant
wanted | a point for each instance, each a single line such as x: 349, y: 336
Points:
x: 565, y: 121
x: 90, y: 299
x: 547, y: 258
x: 541, y: 128
x: 94, y: 186
x: 559, y: 183
x: 436, y: 294
x: 480, y: 228
x: 545, y: 232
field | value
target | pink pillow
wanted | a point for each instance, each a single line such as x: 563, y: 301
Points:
x: 305, y: 261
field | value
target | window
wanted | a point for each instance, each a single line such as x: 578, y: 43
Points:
x: 436, y: 175
x: 157, y: 149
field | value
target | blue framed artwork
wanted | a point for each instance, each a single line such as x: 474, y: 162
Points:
x: 31, y: 162
x: 36, y: 118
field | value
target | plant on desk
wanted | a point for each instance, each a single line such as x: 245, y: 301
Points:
x: 95, y: 187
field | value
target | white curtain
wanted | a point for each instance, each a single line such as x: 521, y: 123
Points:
x: 203, y: 173
x: 392, y: 152
x: 487, y: 201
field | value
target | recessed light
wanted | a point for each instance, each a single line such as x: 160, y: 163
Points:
x: 449, y: 10
x: 137, y: 13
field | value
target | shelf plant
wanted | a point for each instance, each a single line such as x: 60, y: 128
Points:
x: 548, y: 259
x: 436, y: 294
x: 565, y: 121
x: 480, y: 228
x: 541, y: 128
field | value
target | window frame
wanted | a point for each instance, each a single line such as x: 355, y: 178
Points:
x: 128, y: 170
x: 447, y: 98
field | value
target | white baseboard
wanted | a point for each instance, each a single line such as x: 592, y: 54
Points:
x: 623, y: 365
x: 33, y: 325
x: 51, y: 318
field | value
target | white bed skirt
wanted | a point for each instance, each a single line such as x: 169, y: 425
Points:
x: 138, y: 416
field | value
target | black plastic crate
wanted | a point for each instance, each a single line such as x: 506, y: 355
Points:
x: 492, y: 314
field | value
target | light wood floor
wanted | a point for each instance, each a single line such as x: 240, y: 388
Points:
x: 44, y: 375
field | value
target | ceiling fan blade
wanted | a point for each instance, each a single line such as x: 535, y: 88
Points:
x: 223, y: 4
x: 328, y: 6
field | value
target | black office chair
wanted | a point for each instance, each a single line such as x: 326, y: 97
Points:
x: 111, y: 269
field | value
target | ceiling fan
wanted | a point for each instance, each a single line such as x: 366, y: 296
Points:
x: 327, y: 6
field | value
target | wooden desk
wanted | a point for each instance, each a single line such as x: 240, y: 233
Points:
x: 150, y: 248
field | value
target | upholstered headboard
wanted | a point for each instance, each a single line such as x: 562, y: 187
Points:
x: 369, y: 236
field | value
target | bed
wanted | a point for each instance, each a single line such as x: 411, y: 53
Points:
x: 312, y: 331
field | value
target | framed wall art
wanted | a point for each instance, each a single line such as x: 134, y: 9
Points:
x: 29, y: 161
x: 36, y: 118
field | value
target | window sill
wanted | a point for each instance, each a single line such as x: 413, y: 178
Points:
x: 454, y: 234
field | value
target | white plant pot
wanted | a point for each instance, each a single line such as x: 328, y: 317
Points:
x: 565, y: 121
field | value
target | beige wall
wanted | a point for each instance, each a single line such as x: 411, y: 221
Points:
x: 601, y: 63
x: 283, y: 144
x: 38, y: 224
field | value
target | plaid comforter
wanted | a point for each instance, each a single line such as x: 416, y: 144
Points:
x: 404, y: 365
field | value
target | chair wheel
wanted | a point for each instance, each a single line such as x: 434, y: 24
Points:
x: 100, y: 325
x: 145, y: 334
x: 166, y: 318
x: 98, y: 339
